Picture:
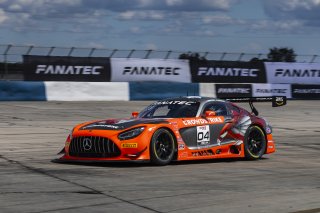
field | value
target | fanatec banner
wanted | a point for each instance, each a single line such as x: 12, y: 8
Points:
x: 301, y: 91
x: 293, y: 73
x: 60, y: 68
x: 233, y: 90
x: 262, y: 90
x: 228, y: 72
x: 132, y: 69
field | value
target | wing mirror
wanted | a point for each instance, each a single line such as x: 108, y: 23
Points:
x: 209, y: 113
x: 135, y: 114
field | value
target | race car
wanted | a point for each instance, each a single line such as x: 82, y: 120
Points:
x: 176, y: 129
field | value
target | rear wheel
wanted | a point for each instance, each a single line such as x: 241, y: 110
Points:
x: 162, y: 147
x: 254, y: 143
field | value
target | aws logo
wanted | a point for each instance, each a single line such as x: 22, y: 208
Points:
x: 279, y: 101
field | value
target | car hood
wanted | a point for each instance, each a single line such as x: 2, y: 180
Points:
x: 121, y: 124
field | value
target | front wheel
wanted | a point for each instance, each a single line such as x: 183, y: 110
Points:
x: 162, y: 147
x: 254, y: 143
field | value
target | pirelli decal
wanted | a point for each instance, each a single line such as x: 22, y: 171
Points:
x: 129, y: 145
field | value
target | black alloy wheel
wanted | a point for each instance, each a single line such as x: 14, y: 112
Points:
x: 254, y: 143
x: 162, y: 147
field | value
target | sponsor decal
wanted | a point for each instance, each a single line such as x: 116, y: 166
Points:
x: 173, y: 103
x: 233, y: 90
x: 228, y: 72
x: 151, y: 70
x: 65, y: 70
x: 208, y: 152
x: 279, y: 101
x: 200, y: 121
x: 293, y: 73
x: 183, y: 154
x: 134, y: 69
x: 268, y: 90
x: 296, y: 73
x: 60, y: 68
x: 129, y: 145
x: 181, y: 146
x: 203, y: 135
x: 101, y: 126
x: 305, y: 91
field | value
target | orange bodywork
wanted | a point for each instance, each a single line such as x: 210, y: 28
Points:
x: 137, y: 148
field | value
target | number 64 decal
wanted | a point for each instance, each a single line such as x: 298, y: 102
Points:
x: 203, y: 135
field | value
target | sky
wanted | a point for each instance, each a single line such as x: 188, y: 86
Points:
x: 249, y: 26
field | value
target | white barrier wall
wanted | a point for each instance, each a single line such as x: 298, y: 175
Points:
x: 87, y: 91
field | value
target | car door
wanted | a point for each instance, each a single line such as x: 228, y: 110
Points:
x: 204, y: 132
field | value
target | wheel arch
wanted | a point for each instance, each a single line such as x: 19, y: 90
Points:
x: 264, y: 132
x: 175, y: 156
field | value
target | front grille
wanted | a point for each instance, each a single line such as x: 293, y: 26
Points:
x: 93, y: 147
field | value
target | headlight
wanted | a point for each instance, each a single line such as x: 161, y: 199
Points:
x: 132, y: 133
x: 70, y: 135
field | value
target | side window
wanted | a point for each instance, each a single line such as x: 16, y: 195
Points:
x: 219, y: 107
x: 234, y: 110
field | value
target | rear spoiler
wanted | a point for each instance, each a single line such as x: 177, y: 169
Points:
x: 277, y: 101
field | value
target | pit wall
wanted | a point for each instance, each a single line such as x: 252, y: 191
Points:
x: 109, y: 91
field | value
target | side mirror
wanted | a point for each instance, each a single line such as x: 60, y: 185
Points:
x: 209, y: 113
x: 135, y: 114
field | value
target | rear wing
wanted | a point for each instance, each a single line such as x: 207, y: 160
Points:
x: 277, y: 101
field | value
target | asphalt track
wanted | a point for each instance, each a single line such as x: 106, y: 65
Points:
x: 31, y: 133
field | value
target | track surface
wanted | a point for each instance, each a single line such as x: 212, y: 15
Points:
x: 33, y: 132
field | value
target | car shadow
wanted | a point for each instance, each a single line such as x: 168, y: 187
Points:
x: 149, y: 164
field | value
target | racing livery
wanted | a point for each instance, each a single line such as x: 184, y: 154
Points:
x: 183, y: 128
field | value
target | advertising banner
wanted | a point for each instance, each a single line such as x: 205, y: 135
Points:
x: 301, y: 91
x: 293, y: 73
x: 133, y: 69
x: 233, y: 90
x: 263, y: 90
x: 60, y: 68
x: 228, y: 72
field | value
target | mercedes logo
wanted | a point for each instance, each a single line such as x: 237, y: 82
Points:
x: 87, y: 144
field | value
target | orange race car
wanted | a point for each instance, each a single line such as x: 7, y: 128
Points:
x: 183, y: 128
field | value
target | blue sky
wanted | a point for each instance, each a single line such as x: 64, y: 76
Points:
x: 251, y: 26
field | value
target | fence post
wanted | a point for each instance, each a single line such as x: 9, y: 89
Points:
x: 148, y: 53
x: 113, y: 52
x: 168, y: 54
x: 313, y: 58
x: 131, y: 52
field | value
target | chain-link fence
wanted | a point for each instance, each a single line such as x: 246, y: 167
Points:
x: 11, y: 55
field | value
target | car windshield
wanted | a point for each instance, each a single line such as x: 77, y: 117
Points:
x: 170, y: 109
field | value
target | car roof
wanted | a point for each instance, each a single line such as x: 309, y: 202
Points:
x: 192, y: 98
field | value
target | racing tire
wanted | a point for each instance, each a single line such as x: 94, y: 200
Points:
x: 254, y: 143
x: 162, y: 147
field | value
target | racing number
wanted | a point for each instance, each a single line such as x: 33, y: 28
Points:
x: 203, y: 135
